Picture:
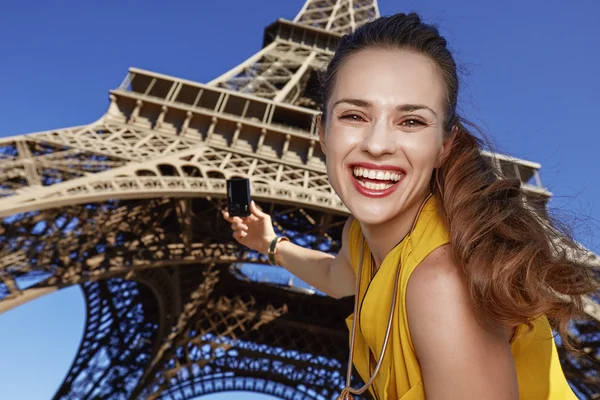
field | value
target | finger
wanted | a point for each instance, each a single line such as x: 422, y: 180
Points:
x: 231, y: 219
x: 257, y: 212
x: 235, y: 220
x: 249, y: 218
x: 226, y: 216
x: 239, y: 227
x: 239, y: 236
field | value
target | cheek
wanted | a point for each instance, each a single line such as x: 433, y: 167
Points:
x: 340, y: 141
x: 422, y: 151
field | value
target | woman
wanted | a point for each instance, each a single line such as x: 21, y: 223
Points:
x: 473, y: 320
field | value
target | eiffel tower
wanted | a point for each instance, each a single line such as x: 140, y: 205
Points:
x: 129, y: 208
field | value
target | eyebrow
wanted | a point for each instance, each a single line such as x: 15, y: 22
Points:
x: 403, y: 107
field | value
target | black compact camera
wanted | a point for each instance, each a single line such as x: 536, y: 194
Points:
x: 238, y: 197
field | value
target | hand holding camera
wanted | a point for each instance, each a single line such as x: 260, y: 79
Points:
x: 254, y: 229
x: 251, y: 227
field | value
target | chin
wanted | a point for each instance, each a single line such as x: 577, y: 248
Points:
x: 370, y: 213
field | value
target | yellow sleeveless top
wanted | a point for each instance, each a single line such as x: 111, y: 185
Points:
x: 539, y: 372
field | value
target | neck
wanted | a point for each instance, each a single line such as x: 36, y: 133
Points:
x: 382, y: 238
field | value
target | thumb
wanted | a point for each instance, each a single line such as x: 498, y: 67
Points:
x: 257, y: 212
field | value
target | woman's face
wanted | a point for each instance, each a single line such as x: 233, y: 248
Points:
x: 383, y: 134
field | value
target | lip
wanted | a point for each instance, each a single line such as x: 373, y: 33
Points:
x: 377, y: 166
x: 372, y: 192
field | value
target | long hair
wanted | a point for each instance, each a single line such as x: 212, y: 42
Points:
x: 517, y: 262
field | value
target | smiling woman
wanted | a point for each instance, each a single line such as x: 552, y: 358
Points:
x: 457, y: 279
x: 385, y: 119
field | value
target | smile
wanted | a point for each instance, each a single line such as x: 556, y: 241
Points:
x: 376, y: 181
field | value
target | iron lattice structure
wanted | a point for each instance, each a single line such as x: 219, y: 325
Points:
x: 128, y: 207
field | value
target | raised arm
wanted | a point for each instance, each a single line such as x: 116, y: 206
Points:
x: 459, y: 358
x: 331, y: 275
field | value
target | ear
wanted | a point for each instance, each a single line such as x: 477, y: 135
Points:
x: 446, y: 147
x: 321, y: 130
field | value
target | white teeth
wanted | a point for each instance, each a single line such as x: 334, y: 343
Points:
x: 376, y: 186
x: 377, y: 174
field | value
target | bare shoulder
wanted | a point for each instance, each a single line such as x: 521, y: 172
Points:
x: 438, y: 296
x: 459, y: 358
x: 439, y: 276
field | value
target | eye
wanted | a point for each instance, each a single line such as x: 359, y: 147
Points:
x: 412, y: 123
x: 352, y: 117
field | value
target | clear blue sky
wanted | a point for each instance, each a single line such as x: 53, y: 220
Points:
x: 533, y: 84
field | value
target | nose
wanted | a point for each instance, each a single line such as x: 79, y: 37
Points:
x: 378, y: 139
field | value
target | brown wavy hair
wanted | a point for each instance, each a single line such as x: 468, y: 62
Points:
x: 519, y: 265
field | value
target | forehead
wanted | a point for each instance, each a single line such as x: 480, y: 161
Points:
x: 390, y: 77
